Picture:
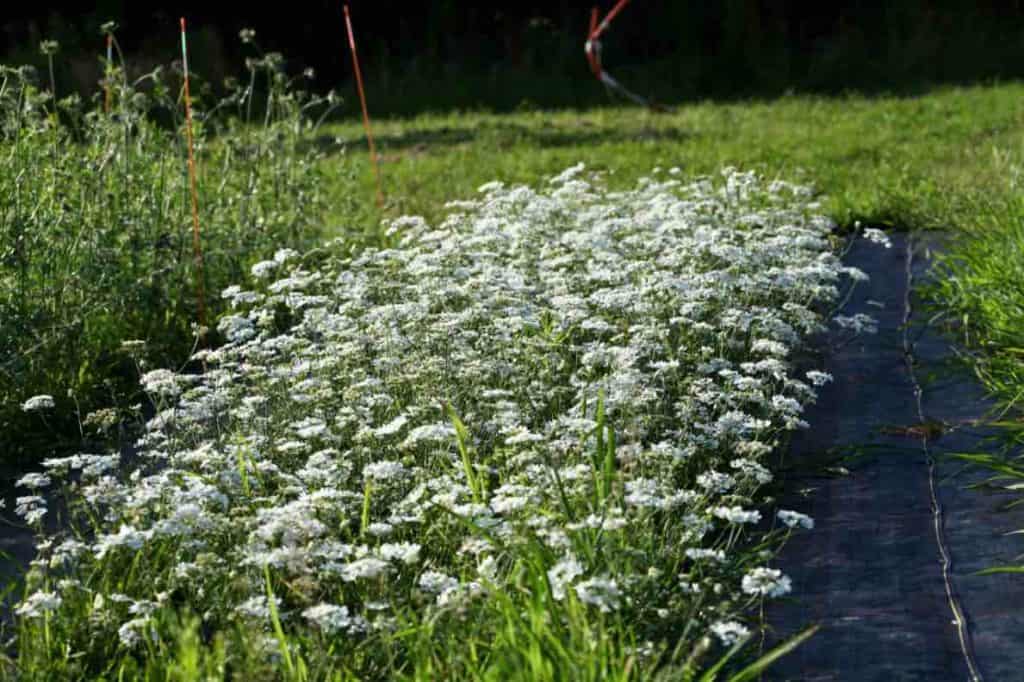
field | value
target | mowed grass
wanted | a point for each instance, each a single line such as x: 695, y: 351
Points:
x: 910, y: 162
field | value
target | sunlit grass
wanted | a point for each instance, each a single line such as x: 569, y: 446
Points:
x: 900, y: 161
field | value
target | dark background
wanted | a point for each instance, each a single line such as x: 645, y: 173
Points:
x: 500, y: 55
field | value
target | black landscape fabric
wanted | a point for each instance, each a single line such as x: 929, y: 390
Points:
x: 871, y: 572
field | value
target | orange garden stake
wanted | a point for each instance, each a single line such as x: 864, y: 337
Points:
x: 197, y: 248
x: 362, y: 100
x: 110, y: 66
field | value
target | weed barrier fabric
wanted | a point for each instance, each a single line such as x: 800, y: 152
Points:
x: 976, y: 521
x: 871, y: 572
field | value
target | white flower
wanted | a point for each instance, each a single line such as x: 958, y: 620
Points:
x: 737, y: 514
x: 331, y: 618
x: 320, y: 449
x: 522, y: 436
x: 429, y: 433
x: 126, y: 536
x: 752, y: 469
x: 34, y: 481
x: 858, y: 323
x: 391, y: 428
x: 406, y: 552
x: 729, y: 632
x: 133, y: 347
x: 38, y: 403
x: 131, y: 632
x: 32, y: 508
x: 699, y: 553
x: 161, y: 383
x: 282, y: 256
x: 459, y: 594
x: 818, y: 378
x: 38, y: 604
x: 568, y: 174
x: 488, y: 568
x: 236, y: 328
x: 366, y: 568
x: 310, y: 428
x: 876, y: 236
x: 562, y: 575
x: 384, y: 471
x: 770, y: 347
x: 794, y: 519
x: 263, y: 269
x: 644, y: 492
x: 766, y: 582
x: 257, y: 607
x: 604, y: 593
x: 436, y: 582
x: 143, y: 607
x: 714, y: 481
x: 380, y: 529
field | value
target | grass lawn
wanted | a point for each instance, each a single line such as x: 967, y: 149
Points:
x: 907, y: 162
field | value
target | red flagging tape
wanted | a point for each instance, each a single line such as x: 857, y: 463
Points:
x: 596, y: 33
x: 592, y: 49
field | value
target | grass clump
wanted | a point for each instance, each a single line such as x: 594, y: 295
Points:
x: 532, y: 442
x: 981, y: 284
x: 980, y: 288
x: 95, y: 229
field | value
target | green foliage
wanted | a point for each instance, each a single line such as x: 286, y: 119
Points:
x: 96, y: 230
x: 982, y: 283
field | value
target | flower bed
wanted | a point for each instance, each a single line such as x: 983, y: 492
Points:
x: 532, y: 441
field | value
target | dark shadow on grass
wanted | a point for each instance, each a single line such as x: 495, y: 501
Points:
x: 506, y: 134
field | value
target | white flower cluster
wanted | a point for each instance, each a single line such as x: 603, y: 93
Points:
x: 598, y: 374
x: 38, y: 403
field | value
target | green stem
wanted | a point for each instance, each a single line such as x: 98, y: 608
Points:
x: 364, y: 522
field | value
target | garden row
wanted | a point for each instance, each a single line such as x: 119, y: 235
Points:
x: 533, y: 442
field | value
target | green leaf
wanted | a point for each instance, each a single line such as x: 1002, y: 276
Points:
x: 760, y: 665
x: 275, y: 619
x: 999, y: 569
x: 462, y: 440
